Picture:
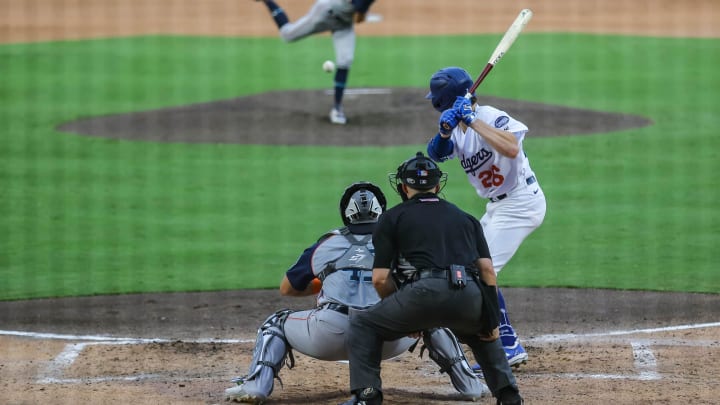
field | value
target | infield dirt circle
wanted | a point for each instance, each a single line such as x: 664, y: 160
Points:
x: 585, y: 346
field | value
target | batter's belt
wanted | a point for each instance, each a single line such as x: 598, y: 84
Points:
x: 530, y: 180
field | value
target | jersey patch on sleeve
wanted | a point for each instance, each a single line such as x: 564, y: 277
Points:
x: 502, y: 121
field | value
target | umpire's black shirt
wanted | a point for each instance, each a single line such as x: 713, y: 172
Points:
x: 430, y: 233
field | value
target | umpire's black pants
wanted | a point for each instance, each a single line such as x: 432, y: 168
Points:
x: 416, y: 306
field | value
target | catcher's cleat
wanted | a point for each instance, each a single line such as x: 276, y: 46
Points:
x: 244, y: 394
x: 516, y: 355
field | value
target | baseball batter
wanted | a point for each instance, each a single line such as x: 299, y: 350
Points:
x: 343, y: 260
x: 337, y: 17
x: 488, y: 144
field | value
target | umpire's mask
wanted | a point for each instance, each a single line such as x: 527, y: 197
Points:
x: 420, y: 173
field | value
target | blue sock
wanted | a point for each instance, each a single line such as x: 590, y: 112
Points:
x: 507, y: 333
x: 340, y: 80
x: 277, y: 13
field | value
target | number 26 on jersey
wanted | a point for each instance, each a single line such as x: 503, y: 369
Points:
x: 492, y: 177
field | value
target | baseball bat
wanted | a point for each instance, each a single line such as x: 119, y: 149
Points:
x: 502, y: 47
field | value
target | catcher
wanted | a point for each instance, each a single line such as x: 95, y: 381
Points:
x: 338, y: 268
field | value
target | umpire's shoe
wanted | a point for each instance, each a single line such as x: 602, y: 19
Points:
x: 367, y: 396
x: 509, y: 396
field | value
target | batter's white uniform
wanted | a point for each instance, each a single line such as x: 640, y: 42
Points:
x: 516, y: 203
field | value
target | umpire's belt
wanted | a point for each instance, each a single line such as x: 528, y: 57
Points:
x: 530, y: 180
x: 440, y: 273
x: 343, y: 309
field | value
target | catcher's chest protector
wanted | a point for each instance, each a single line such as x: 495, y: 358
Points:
x: 357, y: 256
x: 348, y: 279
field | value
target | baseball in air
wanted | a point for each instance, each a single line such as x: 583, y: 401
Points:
x: 329, y: 66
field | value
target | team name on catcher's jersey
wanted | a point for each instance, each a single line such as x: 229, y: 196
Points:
x: 473, y: 163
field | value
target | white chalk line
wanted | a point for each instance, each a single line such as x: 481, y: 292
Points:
x: 86, y: 380
x: 645, y: 362
x: 590, y: 336
x: 56, y: 368
x: 361, y: 92
x: 115, y: 340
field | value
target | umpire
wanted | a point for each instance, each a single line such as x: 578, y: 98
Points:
x: 432, y: 268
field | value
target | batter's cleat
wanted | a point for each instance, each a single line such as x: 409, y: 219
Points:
x: 244, y: 393
x: 337, y: 116
x: 516, y: 355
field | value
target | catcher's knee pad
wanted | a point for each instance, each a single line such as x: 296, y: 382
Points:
x: 444, y: 348
x: 277, y: 319
x: 271, y: 346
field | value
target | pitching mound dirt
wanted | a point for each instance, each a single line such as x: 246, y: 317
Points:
x: 376, y: 116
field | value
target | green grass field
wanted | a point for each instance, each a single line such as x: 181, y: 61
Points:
x: 81, y: 216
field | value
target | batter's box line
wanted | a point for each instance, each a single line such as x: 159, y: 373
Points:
x: 553, y: 338
x: 645, y: 363
x: 115, y: 340
x: 645, y: 367
x: 54, y: 371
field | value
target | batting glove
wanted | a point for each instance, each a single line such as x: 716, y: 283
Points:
x: 463, y: 108
x: 448, y: 121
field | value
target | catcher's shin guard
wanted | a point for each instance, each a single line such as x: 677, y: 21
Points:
x: 270, y: 354
x: 444, y: 349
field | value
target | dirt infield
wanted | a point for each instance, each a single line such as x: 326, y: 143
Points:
x: 585, y: 346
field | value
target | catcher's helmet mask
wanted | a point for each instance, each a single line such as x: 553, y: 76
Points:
x: 446, y: 85
x: 362, y: 203
x: 419, y: 173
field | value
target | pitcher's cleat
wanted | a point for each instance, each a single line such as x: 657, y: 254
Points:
x: 337, y: 116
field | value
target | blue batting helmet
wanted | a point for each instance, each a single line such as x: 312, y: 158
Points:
x: 447, y: 84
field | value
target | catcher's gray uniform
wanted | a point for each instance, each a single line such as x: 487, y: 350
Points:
x: 343, y: 260
x: 321, y: 332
